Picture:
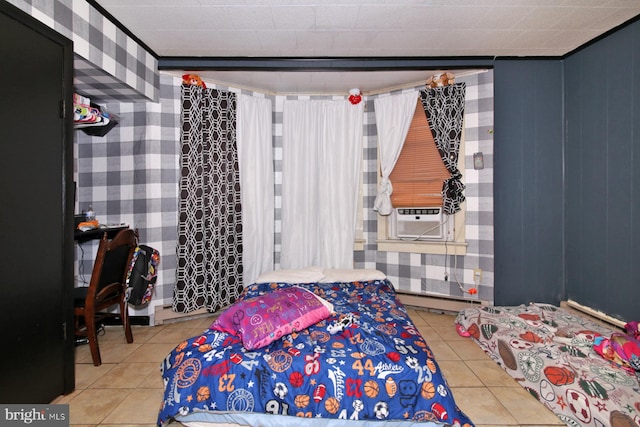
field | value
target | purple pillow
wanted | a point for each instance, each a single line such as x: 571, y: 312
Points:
x: 263, y: 319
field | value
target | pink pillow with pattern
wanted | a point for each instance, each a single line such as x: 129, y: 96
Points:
x: 260, y: 320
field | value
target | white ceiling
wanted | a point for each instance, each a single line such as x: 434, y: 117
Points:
x: 361, y: 29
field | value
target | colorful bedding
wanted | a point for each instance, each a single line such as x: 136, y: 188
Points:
x: 550, y: 352
x: 364, y: 365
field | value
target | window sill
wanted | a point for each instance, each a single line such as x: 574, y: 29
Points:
x: 422, y: 247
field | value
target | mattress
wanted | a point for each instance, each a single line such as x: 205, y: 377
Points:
x: 365, y: 364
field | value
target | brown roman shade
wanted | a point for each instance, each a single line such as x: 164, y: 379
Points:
x: 419, y: 173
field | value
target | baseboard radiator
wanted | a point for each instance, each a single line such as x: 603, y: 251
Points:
x: 593, y: 313
x: 164, y: 314
x: 438, y: 302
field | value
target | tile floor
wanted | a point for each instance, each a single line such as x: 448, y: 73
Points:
x: 103, y: 395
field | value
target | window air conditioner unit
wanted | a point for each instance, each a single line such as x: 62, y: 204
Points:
x: 418, y: 223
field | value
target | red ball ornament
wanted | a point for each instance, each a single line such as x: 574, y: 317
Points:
x: 354, y: 96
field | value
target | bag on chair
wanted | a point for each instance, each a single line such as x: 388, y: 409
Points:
x: 142, y: 275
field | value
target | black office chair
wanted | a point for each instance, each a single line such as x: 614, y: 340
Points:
x: 106, y: 289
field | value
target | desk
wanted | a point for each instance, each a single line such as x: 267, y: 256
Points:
x: 97, y: 233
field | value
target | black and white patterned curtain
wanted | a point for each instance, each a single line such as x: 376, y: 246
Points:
x: 445, y: 112
x: 209, y: 248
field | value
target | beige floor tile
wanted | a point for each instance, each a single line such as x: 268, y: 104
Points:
x: 87, y: 374
x: 114, y: 334
x: 116, y: 353
x: 490, y: 373
x: 83, y: 354
x: 458, y: 374
x: 66, y: 399
x: 139, y: 408
x: 468, y: 350
x: 442, y: 351
x: 448, y: 333
x: 437, y: 319
x: 142, y: 334
x: 92, y: 406
x: 482, y: 407
x: 416, y: 318
x: 428, y: 333
x: 153, y: 380
x: 174, y: 335
x: 150, y: 353
x: 523, y: 406
x: 126, y: 375
x: 205, y: 324
x: 110, y: 351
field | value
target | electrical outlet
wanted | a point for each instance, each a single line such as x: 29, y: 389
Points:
x: 477, y: 275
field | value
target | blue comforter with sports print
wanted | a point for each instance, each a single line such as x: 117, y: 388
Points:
x: 367, y: 362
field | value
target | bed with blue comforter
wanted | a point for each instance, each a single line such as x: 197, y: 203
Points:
x: 365, y: 364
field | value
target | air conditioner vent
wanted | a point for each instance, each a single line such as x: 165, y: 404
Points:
x: 418, y: 223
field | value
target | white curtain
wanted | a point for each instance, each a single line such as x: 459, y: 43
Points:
x: 393, y: 119
x: 321, y: 166
x: 255, y: 157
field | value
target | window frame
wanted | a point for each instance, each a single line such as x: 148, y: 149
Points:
x: 386, y: 243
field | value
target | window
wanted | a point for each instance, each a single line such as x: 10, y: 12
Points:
x: 417, y: 180
x: 419, y: 172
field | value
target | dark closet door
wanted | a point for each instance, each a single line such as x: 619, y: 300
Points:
x: 36, y: 219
